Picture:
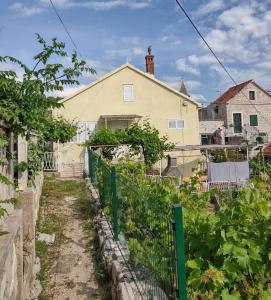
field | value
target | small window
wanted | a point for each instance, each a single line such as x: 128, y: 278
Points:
x: 176, y: 124
x: 128, y: 92
x: 251, y: 95
x: 253, y: 120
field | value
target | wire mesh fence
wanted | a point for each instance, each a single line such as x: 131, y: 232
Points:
x: 147, y: 227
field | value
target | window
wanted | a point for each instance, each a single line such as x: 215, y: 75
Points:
x: 237, y: 122
x: 206, y: 139
x: 84, y: 130
x: 175, y: 124
x: 253, y: 120
x: 251, y: 95
x: 128, y: 92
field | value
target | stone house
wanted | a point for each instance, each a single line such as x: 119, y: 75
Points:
x: 241, y: 114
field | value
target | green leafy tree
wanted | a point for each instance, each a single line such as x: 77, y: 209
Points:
x: 143, y: 138
x: 107, y: 138
x: 24, y: 101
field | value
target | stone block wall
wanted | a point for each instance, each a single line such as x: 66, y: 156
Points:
x: 116, y: 255
x: 209, y: 127
x: 17, y: 247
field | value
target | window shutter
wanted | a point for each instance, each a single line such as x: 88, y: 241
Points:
x: 128, y: 92
x: 253, y: 120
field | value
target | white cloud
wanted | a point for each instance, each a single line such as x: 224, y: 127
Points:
x: 192, y: 84
x: 26, y: 10
x: 201, y: 60
x: 192, y: 62
x: 127, y: 53
x: 211, y: 6
x: 243, y: 19
x: 8, y: 66
x: 68, y: 91
x: 199, y: 98
x: 175, y: 82
x: 242, y: 34
x: 101, y: 5
x: 130, y: 40
x: 182, y: 65
x: 42, y: 5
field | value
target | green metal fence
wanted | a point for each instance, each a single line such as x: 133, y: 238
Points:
x: 155, y: 236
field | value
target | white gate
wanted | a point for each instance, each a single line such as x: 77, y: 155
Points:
x: 52, y: 161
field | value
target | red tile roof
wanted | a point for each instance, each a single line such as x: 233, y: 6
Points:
x: 267, y: 150
x: 231, y: 92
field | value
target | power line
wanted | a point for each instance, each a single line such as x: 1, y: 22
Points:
x: 66, y: 29
x: 205, y: 42
x: 216, y: 57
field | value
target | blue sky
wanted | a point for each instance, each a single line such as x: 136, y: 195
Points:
x: 112, y: 32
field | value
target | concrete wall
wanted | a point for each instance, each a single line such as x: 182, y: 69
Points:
x: 6, y: 169
x: 17, y: 247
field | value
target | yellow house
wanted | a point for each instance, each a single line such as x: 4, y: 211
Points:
x: 120, y: 97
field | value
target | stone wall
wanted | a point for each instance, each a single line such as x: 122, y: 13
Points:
x: 116, y: 255
x: 261, y: 107
x: 17, y: 247
x: 209, y: 127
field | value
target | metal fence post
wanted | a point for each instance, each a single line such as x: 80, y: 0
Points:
x: 114, y: 204
x: 180, y: 252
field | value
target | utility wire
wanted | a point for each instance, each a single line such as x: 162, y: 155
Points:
x: 218, y: 60
x: 66, y: 29
x: 205, y: 42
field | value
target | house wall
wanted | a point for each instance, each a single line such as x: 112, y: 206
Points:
x: 241, y: 103
x: 210, y: 126
x: 151, y: 100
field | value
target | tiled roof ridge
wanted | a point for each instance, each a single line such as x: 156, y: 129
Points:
x: 231, y: 92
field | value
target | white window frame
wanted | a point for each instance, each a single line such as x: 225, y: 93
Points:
x: 176, y: 123
x: 257, y: 120
x: 126, y: 99
x: 242, y: 118
x: 77, y: 139
x: 254, y: 95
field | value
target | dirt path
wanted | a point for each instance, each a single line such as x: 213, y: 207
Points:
x: 70, y: 267
x: 73, y: 276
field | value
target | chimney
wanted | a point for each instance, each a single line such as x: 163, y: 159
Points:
x: 149, y: 62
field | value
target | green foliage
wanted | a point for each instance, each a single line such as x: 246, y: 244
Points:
x: 57, y: 129
x: 228, y: 249
x: 258, y: 165
x: 222, y: 155
x: 139, y: 137
x: 104, y: 136
x: 25, y: 106
x: 24, y: 103
x: 34, y: 161
x: 147, y: 138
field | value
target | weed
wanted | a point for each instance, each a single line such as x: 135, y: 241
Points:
x: 41, y: 248
x: 70, y: 284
